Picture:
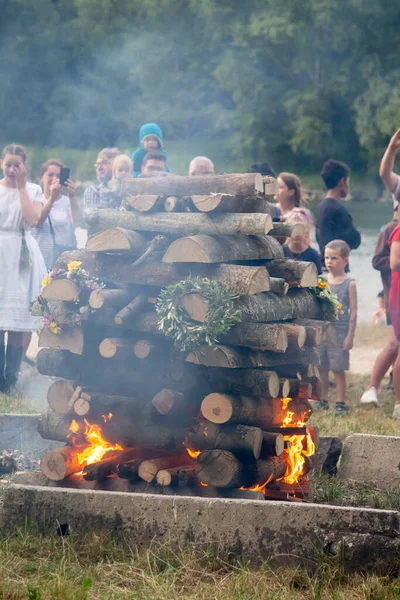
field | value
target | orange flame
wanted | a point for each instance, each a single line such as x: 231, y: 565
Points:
x: 296, y: 452
x: 97, y: 445
x: 288, y: 419
x: 285, y: 402
x: 192, y: 453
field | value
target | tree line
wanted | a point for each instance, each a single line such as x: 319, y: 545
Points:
x: 294, y: 81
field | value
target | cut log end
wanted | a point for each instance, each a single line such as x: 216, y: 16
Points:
x: 217, y: 408
x: 196, y: 306
x: 61, y: 289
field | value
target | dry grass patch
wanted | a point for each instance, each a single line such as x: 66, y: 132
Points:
x: 94, y: 567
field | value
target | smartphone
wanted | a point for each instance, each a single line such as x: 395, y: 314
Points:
x: 64, y: 175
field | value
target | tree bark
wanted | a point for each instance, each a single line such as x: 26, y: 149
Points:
x: 251, y: 382
x: 228, y: 248
x: 328, y: 330
x: 264, y: 308
x: 278, y: 286
x: 222, y: 469
x: 226, y: 203
x: 61, y: 289
x: 144, y: 203
x: 267, y: 307
x: 116, y: 239
x: 249, y: 184
x: 271, y: 468
x: 239, y: 439
x: 295, y: 272
x: 112, y: 226
x: 110, y: 299
x: 273, y: 444
x: 130, y: 311
x: 296, y: 334
x: 287, y: 229
x: 178, y: 476
x: 149, y: 468
x: 169, y: 402
x: 245, y: 358
x: 70, y: 339
x: 117, y: 269
x: 258, y: 335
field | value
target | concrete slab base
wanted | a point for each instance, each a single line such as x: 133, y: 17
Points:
x: 281, y: 532
x: 371, y: 459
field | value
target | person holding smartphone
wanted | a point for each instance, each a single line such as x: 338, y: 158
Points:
x: 61, y: 213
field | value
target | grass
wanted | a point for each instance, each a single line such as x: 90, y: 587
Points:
x: 330, y: 490
x: 15, y: 404
x: 94, y: 567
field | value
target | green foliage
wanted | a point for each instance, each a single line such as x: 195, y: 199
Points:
x: 293, y: 82
x: 174, y: 321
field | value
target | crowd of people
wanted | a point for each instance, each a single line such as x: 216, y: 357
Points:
x: 38, y: 222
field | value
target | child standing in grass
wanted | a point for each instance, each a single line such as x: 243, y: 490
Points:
x: 337, y: 358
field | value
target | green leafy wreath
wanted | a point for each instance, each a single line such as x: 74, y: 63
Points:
x: 188, y: 334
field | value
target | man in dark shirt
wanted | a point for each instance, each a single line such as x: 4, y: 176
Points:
x: 332, y: 220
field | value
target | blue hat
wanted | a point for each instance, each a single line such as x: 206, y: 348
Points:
x: 151, y: 129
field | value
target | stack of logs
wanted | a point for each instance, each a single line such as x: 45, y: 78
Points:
x: 206, y: 422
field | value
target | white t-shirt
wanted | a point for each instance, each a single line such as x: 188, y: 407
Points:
x: 396, y: 193
x: 64, y: 234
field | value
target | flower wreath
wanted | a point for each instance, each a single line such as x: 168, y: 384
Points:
x: 86, y: 285
x: 188, y: 334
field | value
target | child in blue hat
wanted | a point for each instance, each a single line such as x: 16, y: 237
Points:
x: 150, y: 138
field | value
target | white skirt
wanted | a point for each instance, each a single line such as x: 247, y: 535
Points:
x: 19, y: 287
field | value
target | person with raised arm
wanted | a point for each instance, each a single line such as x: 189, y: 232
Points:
x: 22, y: 267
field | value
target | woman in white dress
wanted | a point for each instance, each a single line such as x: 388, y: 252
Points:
x: 22, y: 267
x: 55, y: 232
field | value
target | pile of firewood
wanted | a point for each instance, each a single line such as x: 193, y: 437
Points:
x: 213, y: 420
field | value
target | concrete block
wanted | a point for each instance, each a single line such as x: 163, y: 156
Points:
x: 281, y: 532
x: 371, y: 459
x: 327, y: 455
x: 19, y: 432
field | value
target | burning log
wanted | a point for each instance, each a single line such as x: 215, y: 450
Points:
x: 178, y: 476
x: 61, y: 289
x: 239, y: 439
x: 213, y: 249
x: 287, y: 229
x: 249, y: 184
x: 130, y: 311
x: 117, y: 239
x: 278, y: 286
x: 108, y: 465
x: 295, y: 272
x: 68, y: 339
x: 148, y: 469
x: 299, y: 389
x: 59, y: 463
x: 256, y: 411
x: 222, y: 469
x: 112, y: 226
x: 113, y: 299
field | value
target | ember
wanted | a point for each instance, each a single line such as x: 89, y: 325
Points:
x: 225, y: 416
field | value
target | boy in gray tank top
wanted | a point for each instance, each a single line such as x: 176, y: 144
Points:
x: 337, y: 358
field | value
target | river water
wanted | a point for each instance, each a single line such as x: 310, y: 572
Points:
x: 368, y: 217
